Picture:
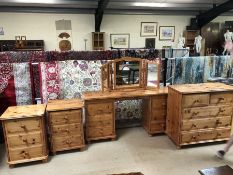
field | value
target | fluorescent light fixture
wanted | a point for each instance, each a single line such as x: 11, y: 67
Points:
x: 150, y: 4
x: 36, y: 1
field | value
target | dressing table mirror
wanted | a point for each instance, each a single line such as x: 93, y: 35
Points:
x: 130, y: 73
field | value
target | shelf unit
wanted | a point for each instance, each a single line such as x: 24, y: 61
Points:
x: 98, y: 40
x: 189, y: 39
x: 28, y: 45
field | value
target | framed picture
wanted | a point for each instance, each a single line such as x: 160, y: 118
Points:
x: 150, y: 43
x: 120, y: 41
x: 149, y: 28
x: 166, y: 32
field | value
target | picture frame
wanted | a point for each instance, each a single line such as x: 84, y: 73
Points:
x: 121, y: 41
x: 150, y: 43
x: 166, y: 33
x: 148, y: 29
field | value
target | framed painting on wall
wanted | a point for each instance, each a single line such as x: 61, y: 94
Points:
x: 149, y: 28
x: 166, y: 33
x: 150, y: 43
x: 121, y: 41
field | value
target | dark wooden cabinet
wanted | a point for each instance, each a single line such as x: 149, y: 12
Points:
x: 189, y: 40
x: 98, y: 40
x: 28, y: 45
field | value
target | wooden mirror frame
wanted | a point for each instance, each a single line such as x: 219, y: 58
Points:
x: 108, y: 74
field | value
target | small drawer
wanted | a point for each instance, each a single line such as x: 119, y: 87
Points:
x: 157, y: 115
x: 103, y: 123
x: 93, y: 132
x: 62, y: 143
x: 22, y: 125
x: 221, y: 98
x: 157, y: 127
x: 33, y: 138
x: 223, y: 133
x: 159, y: 102
x: 26, y: 153
x: 195, y: 100
x: 65, y: 117
x: 194, y: 113
x: 188, y: 125
x: 100, y: 108
x: 103, y: 117
x: 67, y: 130
x: 189, y: 137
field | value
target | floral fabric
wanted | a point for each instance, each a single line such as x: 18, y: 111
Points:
x: 6, y: 72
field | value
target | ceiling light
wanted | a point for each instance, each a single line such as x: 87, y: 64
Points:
x: 150, y: 4
x: 36, y: 1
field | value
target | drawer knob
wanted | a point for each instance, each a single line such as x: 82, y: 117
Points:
x: 66, y: 118
x: 195, y: 113
x: 220, y: 99
x: 23, y: 126
x: 67, y: 130
x: 194, y: 126
x: 25, y: 140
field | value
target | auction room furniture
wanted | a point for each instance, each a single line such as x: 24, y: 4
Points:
x: 199, y: 113
x: 99, y: 106
x: 24, y: 131
x: 98, y: 40
x: 65, y: 124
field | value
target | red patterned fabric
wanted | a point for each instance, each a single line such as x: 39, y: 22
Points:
x: 6, y: 72
x: 50, y: 83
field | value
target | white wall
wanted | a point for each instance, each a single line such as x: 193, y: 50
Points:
x: 114, y: 24
x: 37, y: 26
x: 222, y: 19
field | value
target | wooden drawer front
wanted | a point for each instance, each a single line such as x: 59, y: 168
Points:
x: 159, y: 102
x: 22, y: 125
x: 60, y: 143
x: 99, y: 132
x: 100, y: 108
x: 195, y: 100
x: 26, y: 153
x: 157, y: 127
x: 221, y: 98
x: 188, y: 137
x: 29, y: 139
x: 65, y: 117
x: 192, y: 113
x: 206, y: 123
x: 102, y: 117
x: 67, y: 130
x: 103, y: 123
x: 158, y: 115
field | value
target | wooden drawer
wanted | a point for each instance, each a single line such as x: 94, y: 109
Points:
x: 62, y: 143
x: 188, y: 125
x: 100, y: 108
x: 67, y: 130
x: 33, y: 138
x: 65, y: 117
x: 103, y: 123
x: 159, y: 102
x: 103, y: 117
x: 158, y: 115
x: 193, y: 113
x: 22, y: 125
x: 221, y: 98
x: 195, y: 100
x: 156, y: 127
x: 26, y: 153
x: 93, y: 132
x: 188, y: 137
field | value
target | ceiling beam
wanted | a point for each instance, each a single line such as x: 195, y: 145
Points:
x: 209, y: 15
x: 99, y: 14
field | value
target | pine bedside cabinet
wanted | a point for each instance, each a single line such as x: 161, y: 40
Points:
x: 24, y: 132
x: 65, y: 125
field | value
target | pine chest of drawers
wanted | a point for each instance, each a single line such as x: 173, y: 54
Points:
x: 65, y: 125
x: 100, y: 120
x: 199, y: 113
x: 24, y: 132
x: 155, y: 111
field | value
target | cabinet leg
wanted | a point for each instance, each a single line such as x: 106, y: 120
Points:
x: 83, y: 149
x: 113, y: 139
x: 11, y: 166
x: 54, y: 153
x: 45, y: 160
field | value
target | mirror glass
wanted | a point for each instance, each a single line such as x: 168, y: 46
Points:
x: 127, y: 73
x: 152, y: 75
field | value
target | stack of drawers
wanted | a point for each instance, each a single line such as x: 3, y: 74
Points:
x: 25, y: 134
x: 100, y: 121
x: 155, y: 121
x: 199, y: 117
x: 65, y: 125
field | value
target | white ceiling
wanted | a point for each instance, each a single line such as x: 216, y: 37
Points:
x: 114, y: 6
